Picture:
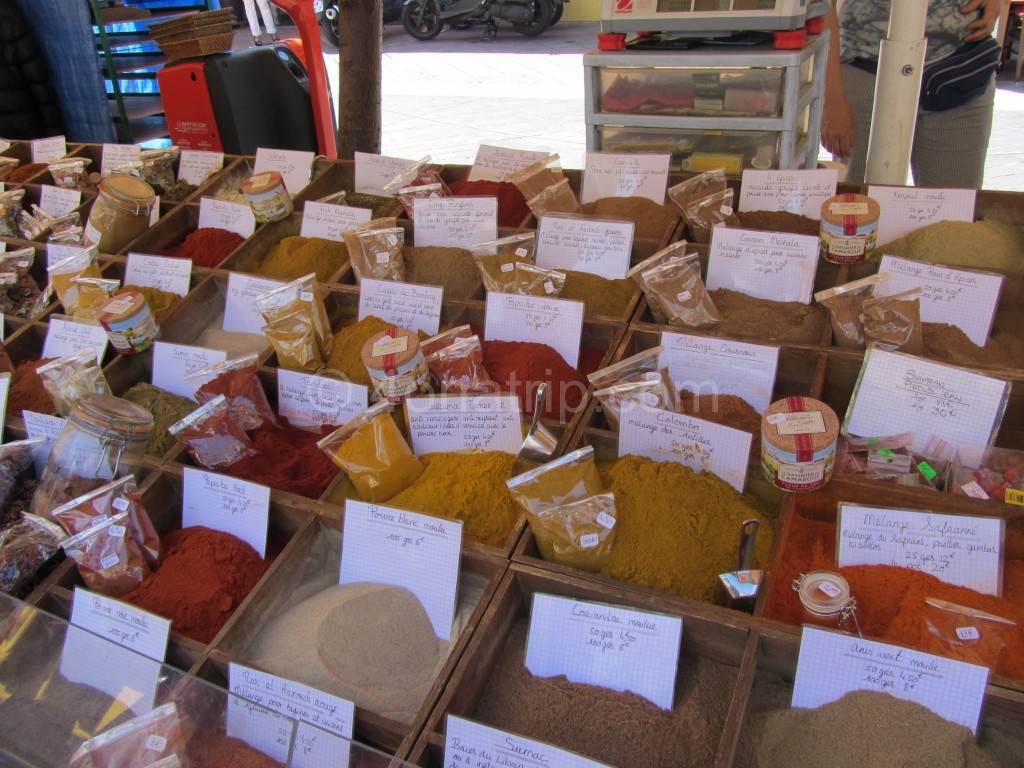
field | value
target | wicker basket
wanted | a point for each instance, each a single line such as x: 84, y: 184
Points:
x: 198, y: 46
x: 220, y: 28
x: 195, y: 22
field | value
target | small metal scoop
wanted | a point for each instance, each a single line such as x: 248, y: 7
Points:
x: 738, y: 590
x: 539, y: 444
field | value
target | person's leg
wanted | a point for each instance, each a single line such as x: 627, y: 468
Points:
x: 252, y: 18
x: 268, y: 17
x: 860, y: 92
x: 950, y: 146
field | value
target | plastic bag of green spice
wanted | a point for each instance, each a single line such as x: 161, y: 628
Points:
x: 496, y: 260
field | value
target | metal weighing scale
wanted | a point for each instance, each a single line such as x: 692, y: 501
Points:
x: 704, y: 18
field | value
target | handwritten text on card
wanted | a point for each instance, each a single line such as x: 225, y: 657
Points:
x: 240, y: 310
x: 558, y: 323
x: 456, y: 222
x: 121, y: 623
x: 497, y: 163
x: 227, y: 504
x: 904, y: 209
x: 374, y: 171
x: 471, y: 745
x: 457, y: 423
x: 234, y: 217
x: 607, y: 174
x: 166, y: 274
x: 407, y: 305
x: 797, y: 191
x: 585, y: 245
x: 767, y: 265
x: 313, y: 401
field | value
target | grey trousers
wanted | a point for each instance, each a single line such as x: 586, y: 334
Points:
x: 949, y: 147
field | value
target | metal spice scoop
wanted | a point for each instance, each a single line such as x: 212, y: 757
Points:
x: 738, y: 589
x: 539, y: 445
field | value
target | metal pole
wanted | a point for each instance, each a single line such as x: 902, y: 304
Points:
x: 897, y: 89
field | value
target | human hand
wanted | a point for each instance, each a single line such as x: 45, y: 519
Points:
x: 837, y: 128
x: 982, y: 26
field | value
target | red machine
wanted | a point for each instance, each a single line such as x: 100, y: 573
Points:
x: 276, y: 96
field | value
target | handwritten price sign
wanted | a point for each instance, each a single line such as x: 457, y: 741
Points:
x: 227, y: 504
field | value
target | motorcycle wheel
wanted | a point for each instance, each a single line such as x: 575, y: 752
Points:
x: 422, y: 19
x: 559, y: 9
x: 544, y: 12
x: 329, y: 29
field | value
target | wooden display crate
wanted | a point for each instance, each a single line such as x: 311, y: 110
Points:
x: 303, y: 561
x: 170, y: 231
x: 33, y: 196
x: 721, y: 638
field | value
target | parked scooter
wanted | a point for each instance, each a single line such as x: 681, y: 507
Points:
x: 424, y: 19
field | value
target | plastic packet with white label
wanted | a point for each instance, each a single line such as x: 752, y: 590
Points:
x: 212, y: 436
x: 158, y: 168
x: 536, y: 177
x: 706, y: 213
x: 294, y: 341
x: 302, y: 295
x: 535, y: 281
x: 459, y: 368
x: 30, y: 227
x: 565, y: 480
x: 656, y: 392
x: 558, y: 198
x: 579, y: 534
x: 25, y: 548
x: 675, y: 251
x: 68, y: 378
x: 696, y: 187
x: 679, y: 292
x: 121, y: 495
x: 10, y: 209
x: 406, y: 195
x: 81, y: 264
x: 109, y: 559
x: 130, y: 168
x: 19, y: 291
x: 238, y: 380
x: 893, y: 323
x: 496, y: 259
x: 845, y: 304
x: 379, y: 254
x: 965, y: 633
x: 419, y: 173
x: 70, y: 173
x: 445, y: 338
x: 17, y: 465
x: 70, y: 236
x: 61, y: 224
x: 93, y: 292
x: 152, y: 738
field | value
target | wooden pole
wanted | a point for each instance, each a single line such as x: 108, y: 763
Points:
x: 361, y: 29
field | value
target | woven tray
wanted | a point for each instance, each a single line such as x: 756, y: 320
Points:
x: 202, y: 46
x: 190, y: 21
x: 209, y: 30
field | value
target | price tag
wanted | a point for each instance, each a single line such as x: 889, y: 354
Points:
x: 116, y: 155
x: 58, y: 201
x: 121, y: 623
x: 313, y: 401
x: 558, y: 323
x: 56, y: 253
x: 701, y: 365
x: 832, y: 664
x: 498, y: 163
x: 799, y: 191
x: 66, y: 337
x: 767, y: 265
x: 106, y: 666
x: 904, y: 209
x: 585, y: 245
x: 5, y: 386
x: 195, y: 167
x: 240, y: 312
x: 48, y: 150
x: 899, y: 393
x: 173, y: 362
x: 329, y: 221
x: 607, y: 174
x: 227, y: 504
x: 456, y: 222
x: 374, y: 171
x: 422, y: 553
x: 167, y: 274
x: 965, y: 551
x: 294, y: 166
x: 701, y: 445
x: 42, y: 425
x: 960, y: 297
x: 265, y: 730
x: 471, y: 745
x: 447, y: 423
x: 407, y: 305
x: 607, y: 645
x: 326, y: 744
x: 234, y: 217
x: 154, y: 213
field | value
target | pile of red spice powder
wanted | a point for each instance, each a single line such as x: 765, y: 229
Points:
x: 890, y: 600
x: 520, y: 366
x: 202, y: 577
x: 512, y: 207
x: 206, y: 246
x: 288, y: 460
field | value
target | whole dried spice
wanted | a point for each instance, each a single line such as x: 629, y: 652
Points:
x: 206, y: 246
x: 17, y: 465
x: 178, y: 191
x: 296, y: 256
x: 749, y: 317
x: 451, y: 268
x: 26, y: 548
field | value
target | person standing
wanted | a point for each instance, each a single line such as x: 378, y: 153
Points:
x: 254, y: 21
x: 950, y: 145
x: 29, y: 108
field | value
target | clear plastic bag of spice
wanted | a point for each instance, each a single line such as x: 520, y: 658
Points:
x: 26, y: 547
x: 696, y: 187
x: 459, y: 368
x: 704, y: 214
x: 158, y: 168
x: 302, y: 295
x: 29, y: 227
x: 893, y: 323
x: 294, y: 341
x: 965, y: 633
x: 987, y: 473
x: 144, y: 741
x: 81, y: 264
x: 656, y: 392
x: 674, y: 251
x: 571, y: 478
x: 535, y: 281
x: 496, y: 260
x: 122, y: 495
x: 130, y: 168
x: 66, y: 379
x: 70, y: 173
x: 10, y: 209
x: 578, y: 534
x: 535, y: 178
x: 371, y: 450
x: 60, y: 225
x: 212, y: 436
x: 108, y: 557
x: 70, y: 236
x: 420, y: 173
x: 558, y: 198
x: 444, y: 339
x: 17, y: 464
x: 237, y: 380
x: 678, y: 290
x: 93, y: 292
x: 19, y: 292
x: 379, y: 254
x: 845, y: 304
x: 408, y: 195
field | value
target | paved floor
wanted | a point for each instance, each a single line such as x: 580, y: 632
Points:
x: 446, y: 96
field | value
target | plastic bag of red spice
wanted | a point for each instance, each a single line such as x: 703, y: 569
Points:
x: 144, y: 741
x: 109, y: 559
x: 238, y: 381
x: 212, y: 436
